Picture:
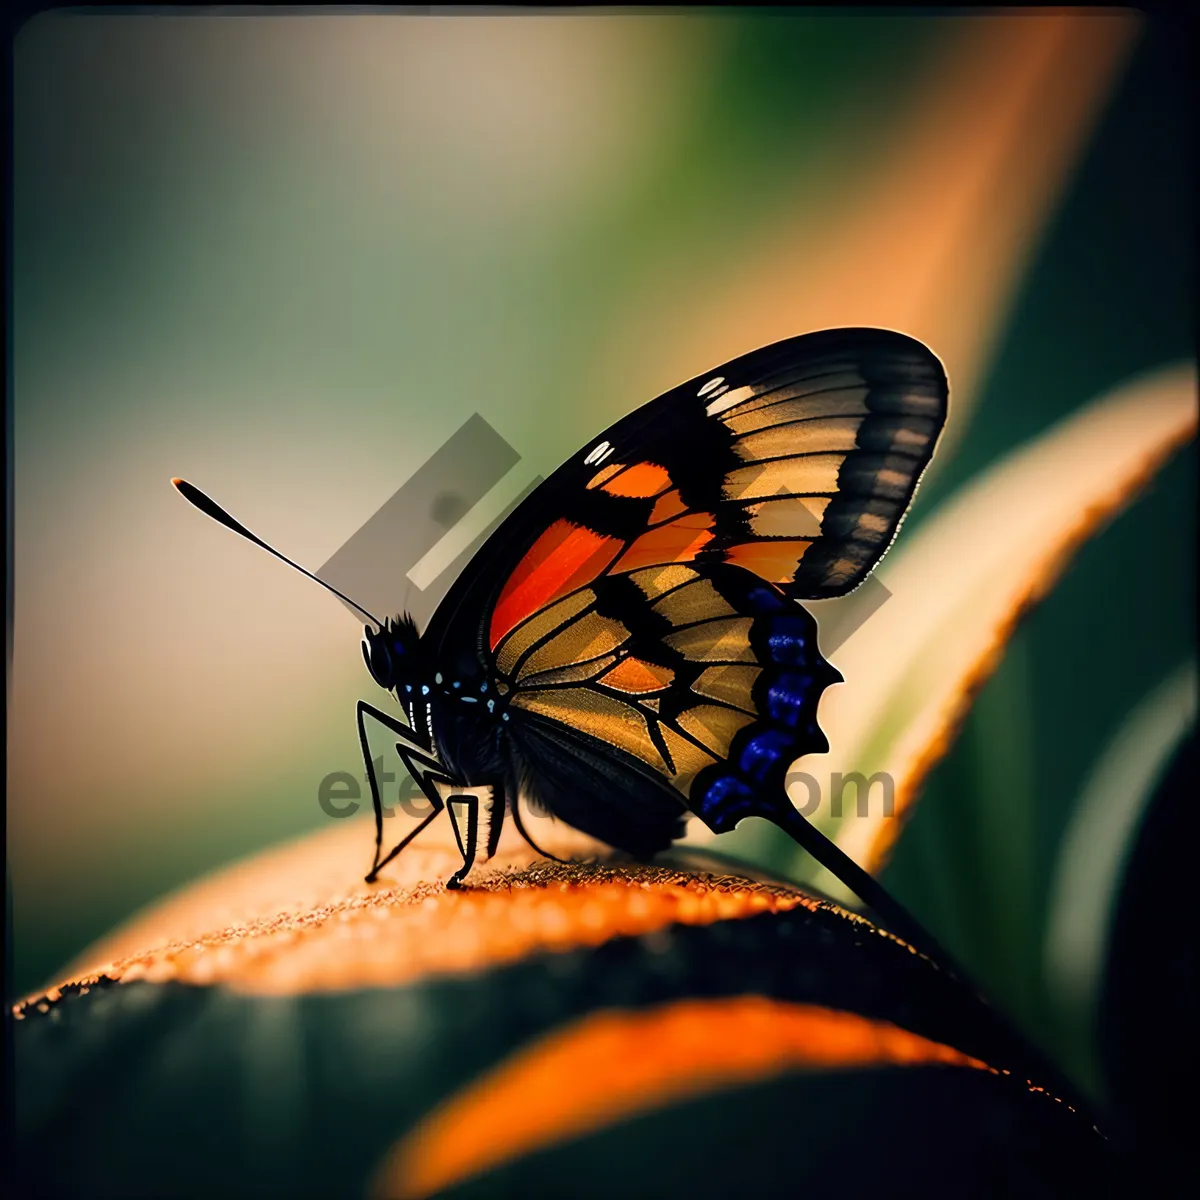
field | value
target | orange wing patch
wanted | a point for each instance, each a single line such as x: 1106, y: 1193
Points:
x: 573, y: 673
x: 668, y: 506
x: 689, y: 760
x: 523, y: 637
x: 680, y: 541
x: 730, y: 685
x: 813, y: 474
x: 637, y: 677
x: 640, y: 481
x: 588, y: 637
x: 832, y: 393
x: 662, y: 579
x: 563, y: 558
x: 698, y: 601
x: 801, y: 437
x: 724, y: 640
x: 775, y: 562
x: 602, y: 717
x: 602, y: 476
x: 846, y: 402
x: 791, y: 516
x: 713, y: 725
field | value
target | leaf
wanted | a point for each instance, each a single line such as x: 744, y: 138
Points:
x: 278, y: 922
x: 1095, y: 850
x: 1148, y: 1040
x: 616, y: 1065
x: 290, y: 1028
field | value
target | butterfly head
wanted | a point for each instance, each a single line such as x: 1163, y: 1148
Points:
x: 390, y: 652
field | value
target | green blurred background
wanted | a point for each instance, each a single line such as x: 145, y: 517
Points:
x: 287, y: 257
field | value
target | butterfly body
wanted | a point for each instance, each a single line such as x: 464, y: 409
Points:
x: 627, y: 648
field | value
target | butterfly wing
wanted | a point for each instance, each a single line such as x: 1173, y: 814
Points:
x: 699, y: 678
x: 635, y: 609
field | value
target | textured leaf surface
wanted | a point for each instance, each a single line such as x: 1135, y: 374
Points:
x: 277, y: 1029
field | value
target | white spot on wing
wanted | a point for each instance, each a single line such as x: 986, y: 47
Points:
x: 598, y: 454
x: 715, y: 382
x: 729, y: 400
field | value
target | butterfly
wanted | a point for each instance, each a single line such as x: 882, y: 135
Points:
x: 628, y: 649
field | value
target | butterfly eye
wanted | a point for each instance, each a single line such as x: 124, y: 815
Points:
x: 378, y: 660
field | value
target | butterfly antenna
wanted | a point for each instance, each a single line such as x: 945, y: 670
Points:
x: 210, y: 508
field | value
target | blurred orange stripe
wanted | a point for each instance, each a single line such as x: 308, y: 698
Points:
x: 934, y: 240
x: 612, y: 1065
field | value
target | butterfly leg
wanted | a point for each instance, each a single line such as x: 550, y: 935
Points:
x: 424, y: 769
x: 516, y: 814
x: 499, y: 807
x: 426, y: 782
x: 496, y: 820
x: 468, y: 843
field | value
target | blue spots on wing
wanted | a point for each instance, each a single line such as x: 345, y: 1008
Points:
x: 786, y: 697
x: 765, y: 751
x: 788, y: 641
x: 725, y: 801
x: 726, y: 789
